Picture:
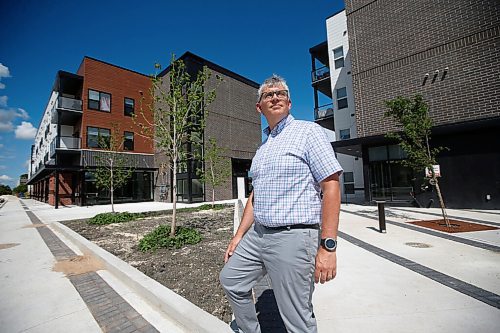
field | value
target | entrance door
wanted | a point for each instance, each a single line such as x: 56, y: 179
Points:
x: 380, y: 181
x: 390, y: 181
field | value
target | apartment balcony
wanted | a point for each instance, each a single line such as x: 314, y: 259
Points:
x: 323, y: 112
x: 319, y: 74
x: 65, y: 145
x: 323, y: 116
x: 67, y: 111
x: 320, y: 71
x: 69, y: 104
x: 68, y: 107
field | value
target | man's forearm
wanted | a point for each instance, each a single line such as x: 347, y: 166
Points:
x: 331, y: 207
x: 247, y: 219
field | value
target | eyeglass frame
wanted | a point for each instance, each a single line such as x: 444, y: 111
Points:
x: 270, y: 94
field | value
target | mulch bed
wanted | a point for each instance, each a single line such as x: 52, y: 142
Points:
x: 456, y: 226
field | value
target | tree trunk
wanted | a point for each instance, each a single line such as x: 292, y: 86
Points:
x: 174, y: 199
x: 441, y: 203
x: 112, y: 190
x: 213, y: 185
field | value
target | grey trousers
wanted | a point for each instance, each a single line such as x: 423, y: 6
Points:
x: 288, y: 257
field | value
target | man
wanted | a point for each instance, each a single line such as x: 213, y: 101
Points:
x: 290, y: 170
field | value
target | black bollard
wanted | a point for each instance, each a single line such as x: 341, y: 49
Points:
x: 381, y: 215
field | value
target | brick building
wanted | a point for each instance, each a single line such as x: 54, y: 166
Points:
x: 100, y: 97
x: 449, y: 52
x: 235, y: 125
x: 84, y: 108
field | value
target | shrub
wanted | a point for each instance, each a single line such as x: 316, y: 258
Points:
x: 202, y: 207
x: 108, y: 218
x: 160, y: 238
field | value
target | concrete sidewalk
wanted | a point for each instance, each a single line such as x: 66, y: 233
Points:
x: 33, y: 297
x: 406, y: 280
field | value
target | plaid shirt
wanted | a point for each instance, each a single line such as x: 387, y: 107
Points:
x: 286, y: 171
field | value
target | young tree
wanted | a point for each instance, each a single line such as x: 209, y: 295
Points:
x: 21, y: 188
x: 112, y: 169
x: 413, y: 116
x: 217, y: 167
x: 179, y: 109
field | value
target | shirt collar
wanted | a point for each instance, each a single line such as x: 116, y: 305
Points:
x: 279, y: 126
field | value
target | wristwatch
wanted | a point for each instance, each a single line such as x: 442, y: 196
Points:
x: 329, y: 244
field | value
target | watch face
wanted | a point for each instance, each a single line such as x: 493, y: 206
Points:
x: 330, y: 243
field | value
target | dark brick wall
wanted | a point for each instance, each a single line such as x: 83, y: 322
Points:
x: 394, y: 44
x: 235, y: 123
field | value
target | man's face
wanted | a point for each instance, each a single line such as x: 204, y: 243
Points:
x: 274, y: 103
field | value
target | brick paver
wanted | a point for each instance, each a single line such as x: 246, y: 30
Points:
x: 111, y: 312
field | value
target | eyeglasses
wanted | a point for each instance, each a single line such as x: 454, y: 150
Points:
x: 281, y: 94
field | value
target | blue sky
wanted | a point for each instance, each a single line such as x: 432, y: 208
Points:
x: 252, y: 38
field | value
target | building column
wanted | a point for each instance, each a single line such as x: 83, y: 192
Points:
x: 56, y: 190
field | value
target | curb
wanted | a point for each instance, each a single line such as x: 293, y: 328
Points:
x: 176, y: 308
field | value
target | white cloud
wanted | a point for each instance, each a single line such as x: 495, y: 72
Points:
x: 7, y: 116
x: 6, y: 127
x: 4, y: 72
x: 6, y: 178
x: 25, y: 131
x: 3, y: 100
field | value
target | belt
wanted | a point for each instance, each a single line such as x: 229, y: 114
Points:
x: 293, y: 226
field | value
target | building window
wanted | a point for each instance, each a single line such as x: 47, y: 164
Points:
x: 128, y: 141
x: 348, y: 182
x: 345, y: 134
x: 342, y: 98
x: 129, y: 107
x: 98, y: 137
x: 338, y: 57
x: 99, y: 101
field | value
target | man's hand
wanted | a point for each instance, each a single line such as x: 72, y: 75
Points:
x: 326, y: 266
x: 231, y: 247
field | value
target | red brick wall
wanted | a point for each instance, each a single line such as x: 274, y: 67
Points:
x: 120, y: 83
x: 65, y: 192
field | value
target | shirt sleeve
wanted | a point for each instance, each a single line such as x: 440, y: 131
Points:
x: 320, y: 155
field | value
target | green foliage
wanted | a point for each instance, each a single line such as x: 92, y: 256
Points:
x: 218, y: 166
x: 202, y: 207
x: 108, y: 218
x: 23, y: 188
x: 179, y: 108
x: 413, y: 116
x: 160, y: 238
x: 112, y: 171
x: 5, y: 189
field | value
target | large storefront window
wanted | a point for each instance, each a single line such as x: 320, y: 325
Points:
x: 389, y: 179
x: 138, y: 188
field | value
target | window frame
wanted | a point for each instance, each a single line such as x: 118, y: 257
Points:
x: 339, y: 58
x: 98, y: 101
x: 343, y: 137
x: 349, y: 187
x: 128, y: 114
x: 99, y: 129
x: 125, y: 147
x: 341, y: 98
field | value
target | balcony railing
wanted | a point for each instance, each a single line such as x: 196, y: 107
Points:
x: 68, y: 142
x: 320, y: 74
x: 323, y: 111
x: 69, y: 103
x: 64, y: 143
